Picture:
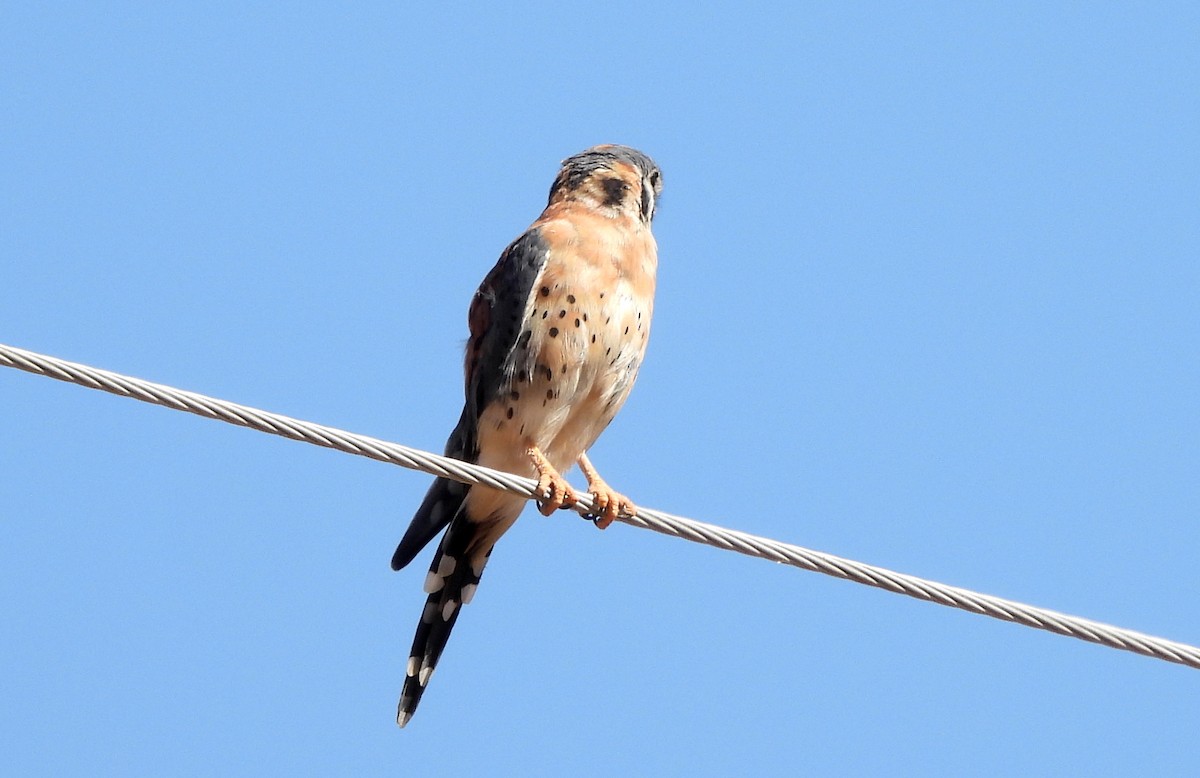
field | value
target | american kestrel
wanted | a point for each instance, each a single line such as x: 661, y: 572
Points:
x: 558, y: 331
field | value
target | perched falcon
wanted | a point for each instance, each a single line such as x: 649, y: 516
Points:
x: 558, y: 331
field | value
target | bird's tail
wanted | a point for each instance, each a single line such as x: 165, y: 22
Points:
x: 451, y: 583
x: 442, y: 503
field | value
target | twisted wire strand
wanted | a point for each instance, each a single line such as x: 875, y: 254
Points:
x: 664, y: 523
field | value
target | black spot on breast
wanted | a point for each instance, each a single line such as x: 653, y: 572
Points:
x: 593, y: 337
x: 564, y: 368
x: 515, y: 395
x: 614, y: 191
x: 571, y: 299
x: 554, y: 332
x: 509, y: 414
x: 585, y: 317
x: 545, y: 291
x: 524, y: 339
x: 602, y: 295
x: 626, y: 330
x: 545, y: 314
x: 577, y: 322
x: 549, y: 394
x: 562, y: 314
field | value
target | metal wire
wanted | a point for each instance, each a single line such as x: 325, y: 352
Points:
x: 665, y: 523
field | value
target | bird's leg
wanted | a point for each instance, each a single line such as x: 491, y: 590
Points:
x: 550, y: 482
x: 606, y: 502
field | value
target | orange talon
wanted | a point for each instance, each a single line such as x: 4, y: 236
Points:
x: 607, y: 503
x: 556, y: 492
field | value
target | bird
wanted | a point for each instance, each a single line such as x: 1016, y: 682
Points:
x: 558, y: 330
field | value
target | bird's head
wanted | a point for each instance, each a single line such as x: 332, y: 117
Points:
x: 615, y: 180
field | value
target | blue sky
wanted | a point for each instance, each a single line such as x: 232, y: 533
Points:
x: 928, y: 298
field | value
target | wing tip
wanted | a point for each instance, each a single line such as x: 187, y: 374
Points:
x: 441, y: 504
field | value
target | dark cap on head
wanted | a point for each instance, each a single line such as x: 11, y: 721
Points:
x: 583, y: 164
x: 609, y: 165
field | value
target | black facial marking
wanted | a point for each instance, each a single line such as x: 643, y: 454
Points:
x: 614, y: 191
x: 578, y: 169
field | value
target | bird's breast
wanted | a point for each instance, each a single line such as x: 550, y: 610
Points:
x: 588, y: 323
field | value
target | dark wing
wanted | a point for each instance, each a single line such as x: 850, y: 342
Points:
x: 443, y: 500
x: 497, y: 318
x: 493, y: 356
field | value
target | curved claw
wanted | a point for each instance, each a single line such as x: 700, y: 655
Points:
x: 607, y: 504
x: 559, y: 493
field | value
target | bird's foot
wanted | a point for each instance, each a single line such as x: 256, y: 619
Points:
x: 557, y: 493
x: 607, y: 504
